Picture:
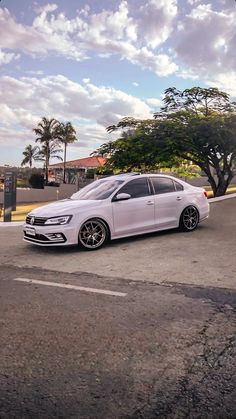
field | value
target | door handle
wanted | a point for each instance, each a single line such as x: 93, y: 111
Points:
x: 178, y: 198
x: 150, y: 203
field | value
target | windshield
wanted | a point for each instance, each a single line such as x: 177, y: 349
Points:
x: 100, y: 189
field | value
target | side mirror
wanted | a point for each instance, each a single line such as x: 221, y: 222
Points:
x: 122, y: 197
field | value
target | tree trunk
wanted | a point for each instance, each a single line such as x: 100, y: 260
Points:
x: 46, y: 173
x: 64, y: 165
x: 219, y: 188
x: 223, y: 185
x: 46, y: 167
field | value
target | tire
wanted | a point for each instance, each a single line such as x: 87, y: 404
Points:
x: 189, y: 219
x: 93, y: 234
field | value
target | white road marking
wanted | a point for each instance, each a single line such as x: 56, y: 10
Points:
x: 71, y: 287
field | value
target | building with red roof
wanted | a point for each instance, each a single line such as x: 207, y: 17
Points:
x: 74, y: 168
x: 85, y: 163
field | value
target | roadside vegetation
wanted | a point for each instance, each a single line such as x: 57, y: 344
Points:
x: 22, y: 210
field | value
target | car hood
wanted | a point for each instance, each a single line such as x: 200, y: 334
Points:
x: 64, y: 207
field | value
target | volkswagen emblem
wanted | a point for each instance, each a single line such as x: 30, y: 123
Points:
x: 32, y: 221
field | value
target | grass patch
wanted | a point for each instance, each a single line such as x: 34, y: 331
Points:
x: 23, y: 209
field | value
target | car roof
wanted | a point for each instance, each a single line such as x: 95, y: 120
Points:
x: 124, y: 176
x: 127, y: 176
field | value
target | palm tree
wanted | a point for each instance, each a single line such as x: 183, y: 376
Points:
x: 30, y: 153
x: 47, y: 135
x: 67, y: 135
x: 52, y: 152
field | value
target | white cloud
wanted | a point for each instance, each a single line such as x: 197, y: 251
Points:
x: 109, y: 32
x: 47, y: 8
x: 40, y: 38
x: 89, y: 107
x: 205, y: 43
x: 35, y: 72
x: 14, y: 35
x: 224, y: 81
x: 159, y: 64
x: 6, y: 58
x: 192, y: 2
x: 155, y: 22
x: 187, y: 74
x: 154, y: 102
x: 135, y: 84
x: 194, y: 41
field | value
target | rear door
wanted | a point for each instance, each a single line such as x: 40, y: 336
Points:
x: 169, y: 197
x: 135, y: 215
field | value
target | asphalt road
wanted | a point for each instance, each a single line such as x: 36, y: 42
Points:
x: 163, y: 347
x: 203, y: 257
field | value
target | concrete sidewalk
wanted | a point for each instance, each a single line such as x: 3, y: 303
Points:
x: 222, y: 198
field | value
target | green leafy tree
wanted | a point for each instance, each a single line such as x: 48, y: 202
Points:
x: 137, y: 148
x: 47, y: 135
x: 30, y: 154
x: 197, y: 125
x: 197, y: 100
x: 66, y: 135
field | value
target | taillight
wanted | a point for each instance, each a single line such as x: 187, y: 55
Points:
x: 205, y: 193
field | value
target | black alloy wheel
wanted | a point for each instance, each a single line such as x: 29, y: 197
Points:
x: 189, y: 219
x: 93, y: 234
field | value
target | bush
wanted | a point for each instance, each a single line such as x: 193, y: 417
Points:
x: 90, y: 174
x: 104, y: 171
x: 52, y: 183
x: 36, y: 181
x: 22, y: 183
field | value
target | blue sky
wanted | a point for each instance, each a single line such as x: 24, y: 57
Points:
x: 94, y: 62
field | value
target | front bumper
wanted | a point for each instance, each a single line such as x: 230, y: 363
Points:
x: 50, y: 235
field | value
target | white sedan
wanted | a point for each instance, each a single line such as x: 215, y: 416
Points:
x: 117, y: 206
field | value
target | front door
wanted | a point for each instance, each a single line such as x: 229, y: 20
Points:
x: 135, y: 215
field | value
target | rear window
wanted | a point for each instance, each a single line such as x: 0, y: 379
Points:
x: 165, y: 185
x: 178, y: 186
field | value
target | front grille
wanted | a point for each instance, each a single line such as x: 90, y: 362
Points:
x: 38, y: 221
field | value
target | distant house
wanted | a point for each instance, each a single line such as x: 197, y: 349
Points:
x: 74, y: 168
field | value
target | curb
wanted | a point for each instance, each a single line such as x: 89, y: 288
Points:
x: 222, y: 198
x: 11, y: 223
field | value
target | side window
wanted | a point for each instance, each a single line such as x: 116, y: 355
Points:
x: 163, y: 185
x: 136, y: 188
x: 178, y: 186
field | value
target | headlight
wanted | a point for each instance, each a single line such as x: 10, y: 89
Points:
x: 64, y: 219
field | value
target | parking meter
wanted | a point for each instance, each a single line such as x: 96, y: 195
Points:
x: 9, y: 195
